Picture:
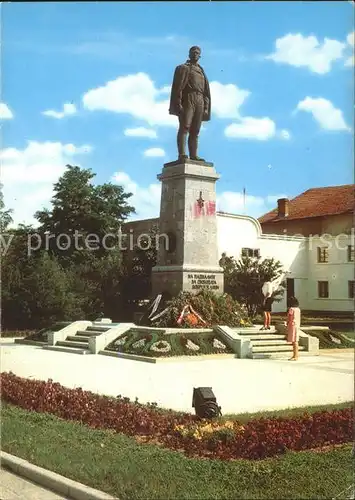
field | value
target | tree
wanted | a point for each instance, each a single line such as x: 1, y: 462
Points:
x: 82, y: 209
x: 138, y: 264
x: 99, y: 281
x: 244, y: 278
x: 5, y: 215
x: 36, y: 290
x: 45, y: 283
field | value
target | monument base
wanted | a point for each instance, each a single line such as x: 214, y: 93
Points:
x: 175, y: 279
x: 190, y: 262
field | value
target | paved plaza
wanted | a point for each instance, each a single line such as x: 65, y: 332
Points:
x: 13, y: 487
x: 240, y: 385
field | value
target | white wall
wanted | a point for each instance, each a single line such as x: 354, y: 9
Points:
x: 292, y: 253
x: 337, y: 271
x: 238, y: 231
x: 298, y: 256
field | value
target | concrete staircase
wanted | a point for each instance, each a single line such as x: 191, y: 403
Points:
x: 78, y: 343
x: 267, y: 343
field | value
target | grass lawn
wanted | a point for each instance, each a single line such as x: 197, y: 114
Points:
x: 122, y: 467
x: 288, y: 412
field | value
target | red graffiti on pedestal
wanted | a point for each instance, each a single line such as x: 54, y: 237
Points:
x: 202, y: 208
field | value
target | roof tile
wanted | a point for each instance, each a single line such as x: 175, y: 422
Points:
x: 317, y: 202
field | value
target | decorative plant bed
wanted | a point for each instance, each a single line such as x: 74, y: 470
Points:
x: 230, y: 439
x: 157, y: 343
x: 331, y: 339
x: 41, y: 337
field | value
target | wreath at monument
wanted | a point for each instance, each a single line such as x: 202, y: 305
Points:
x: 201, y: 310
x: 161, y: 346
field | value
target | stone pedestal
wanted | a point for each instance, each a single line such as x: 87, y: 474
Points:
x: 188, y: 257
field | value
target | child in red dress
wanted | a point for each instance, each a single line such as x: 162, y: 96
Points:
x: 293, y: 325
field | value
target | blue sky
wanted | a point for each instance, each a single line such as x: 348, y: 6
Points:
x: 88, y: 84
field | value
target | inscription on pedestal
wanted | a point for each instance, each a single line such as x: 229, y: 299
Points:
x: 203, y: 281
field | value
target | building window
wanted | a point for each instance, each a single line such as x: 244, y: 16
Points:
x: 322, y: 254
x: 250, y: 252
x: 323, y: 289
x: 351, y: 289
x: 350, y: 253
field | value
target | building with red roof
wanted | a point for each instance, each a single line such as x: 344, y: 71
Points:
x: 316, y: 211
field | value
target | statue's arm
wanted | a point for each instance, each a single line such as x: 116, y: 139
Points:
x: 206, y: 101
x: 207, y: 96
x: 179, y: 83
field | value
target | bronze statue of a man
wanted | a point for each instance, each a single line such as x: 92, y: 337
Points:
x: 191, y: 101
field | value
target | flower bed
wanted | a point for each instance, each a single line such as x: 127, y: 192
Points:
x: 331, y: 339
x: 42, y: 335
x: 258, y: 438
x: 158, y: 344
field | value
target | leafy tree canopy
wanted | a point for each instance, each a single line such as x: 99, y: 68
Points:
x: 78, y: 205
x: 244, y: 278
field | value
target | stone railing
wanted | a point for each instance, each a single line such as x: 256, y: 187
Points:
x: 54, y: 337
x: 238, y: 343
x: 310, y: 343
x: 99, y: 342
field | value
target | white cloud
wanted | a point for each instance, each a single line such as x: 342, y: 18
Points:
x: 135, y: 95
x: 350, y: 61
x: 285, y: 134
x: 272, y: 199
x: 227, y: 99
x: 68, y: 110
x: 145, y: 200
x: 166, y: 89
x: 324, y: 112
x: 233, y: 202
x: 307, y: 51
x: 255, y: 206
x: 260, y: 129
x: 141, y: 132
x: 154, y: 152
x: 28, y: 175
x: 5, y: 112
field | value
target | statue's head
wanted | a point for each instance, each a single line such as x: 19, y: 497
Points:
x: 194, y: 54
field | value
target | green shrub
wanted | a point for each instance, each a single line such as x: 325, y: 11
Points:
x: 214, y: 310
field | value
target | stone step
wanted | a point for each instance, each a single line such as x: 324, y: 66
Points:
x: 315, y: 328
x: 88, y: 333
x: 98, y: 328
x: 253, y: 331
x: 268, y: 342
x: 71, y: 350
x: 275, y: 355
x: 71, y: 343
x: 275, y: 348
x: 267, y: 336
x: 78, y: 338
x: 146, y: 330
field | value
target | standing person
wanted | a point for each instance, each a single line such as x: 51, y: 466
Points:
x: 293, y: 325
x: 267, y: 304
x: 267, y: 307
